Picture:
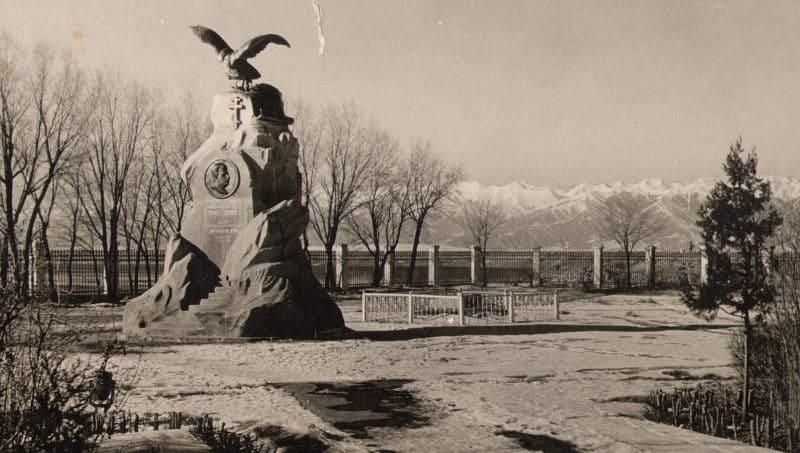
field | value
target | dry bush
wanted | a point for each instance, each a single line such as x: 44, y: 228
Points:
x: 48, y: 396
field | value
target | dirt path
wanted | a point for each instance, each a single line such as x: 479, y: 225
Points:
x: 573, y: 385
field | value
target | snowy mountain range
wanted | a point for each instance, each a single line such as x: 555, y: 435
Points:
x: 557, y: 217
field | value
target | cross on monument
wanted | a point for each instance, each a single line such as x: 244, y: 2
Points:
x: 237, y: 105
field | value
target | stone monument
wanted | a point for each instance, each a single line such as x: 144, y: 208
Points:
x: 237, y: 268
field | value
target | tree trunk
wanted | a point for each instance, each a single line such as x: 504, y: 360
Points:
x: 70, y: 258
x: 73, y: 240
x: 627, y: 268
x: 412, y: 263
x: 112, y: 263
x: 484, y: 273
x: 377, y: 270
x: 50, y: 286
x: 330, y: 270
x: 96, y: 269
x: 24, y: 271
x: 748, y: 332
x: 4, y: 264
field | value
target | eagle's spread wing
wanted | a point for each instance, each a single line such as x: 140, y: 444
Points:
x: 209, y: 36
x: 251, y: 48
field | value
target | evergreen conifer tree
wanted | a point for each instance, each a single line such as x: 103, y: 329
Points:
x: 737, y: 219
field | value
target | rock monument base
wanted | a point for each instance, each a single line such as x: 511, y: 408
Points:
x: 237, y: 269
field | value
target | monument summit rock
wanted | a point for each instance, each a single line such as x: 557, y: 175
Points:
x: 237, y: 268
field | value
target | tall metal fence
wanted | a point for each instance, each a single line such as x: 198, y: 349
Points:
x: 615, y: 269
x: 567, y: 268
x: 82, y: 271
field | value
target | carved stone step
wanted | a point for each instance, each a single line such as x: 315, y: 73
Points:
x: 171, y: 323
x: 165, y: 332
x: 207, y: 307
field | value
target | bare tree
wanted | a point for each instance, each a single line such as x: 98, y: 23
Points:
x: 483, y: 218
x: 431, y: 181
x: 15, y: 152
x: 139, y: 209
x: 116, y: 139
x: 308, y: 130
x: 378, y: 222
x: 44, y: 110
x: 188, y: 129
x: 69, y: 224
x: 345, y: 154
x: 627, y: 219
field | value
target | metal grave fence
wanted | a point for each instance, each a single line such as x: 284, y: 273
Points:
x: 459, y: 309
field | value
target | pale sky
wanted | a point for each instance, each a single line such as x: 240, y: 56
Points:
x: 550, y: 93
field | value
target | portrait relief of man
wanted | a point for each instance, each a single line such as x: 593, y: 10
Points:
x: 221, y: 180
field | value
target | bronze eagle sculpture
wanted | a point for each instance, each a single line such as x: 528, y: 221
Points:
x: 238, y: 69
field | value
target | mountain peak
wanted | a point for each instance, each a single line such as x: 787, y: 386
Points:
x: 520, y: 197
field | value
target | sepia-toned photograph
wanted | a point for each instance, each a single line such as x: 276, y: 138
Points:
x: 290, y: 226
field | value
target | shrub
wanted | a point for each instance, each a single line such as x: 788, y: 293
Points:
x: 48, y: 398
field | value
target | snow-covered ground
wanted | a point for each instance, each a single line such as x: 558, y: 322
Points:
x: 550, y: 386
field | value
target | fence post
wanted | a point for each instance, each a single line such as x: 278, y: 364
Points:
x: 33, y: 267
x: 388, y: 270
x: 476, y: 260
x: 650, y: 265
x: 555, y: 305
x: 460, y: 308
x: 598, y: 267
x: 510, y: 304
x: 105, y: 274
x: 341, y: 266
x: 363, y: 306
x: 536, y: 267
x: 703, y: 266
x: 433, y: 265
x: 410, y: 308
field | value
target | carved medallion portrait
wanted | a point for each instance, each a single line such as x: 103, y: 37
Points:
x: 222, y: 178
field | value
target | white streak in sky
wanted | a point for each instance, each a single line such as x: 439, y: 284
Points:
x: 318, y: 12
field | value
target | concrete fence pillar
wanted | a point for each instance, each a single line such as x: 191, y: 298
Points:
x: 650, y: 265
x: 341, y: 266
x: 536, y: 267
x: 597, y: 271
x: 703, y: 267
x: 388, y: 270
x: 476, y: 265
x: 433, y: 265
x: 34, y: 267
